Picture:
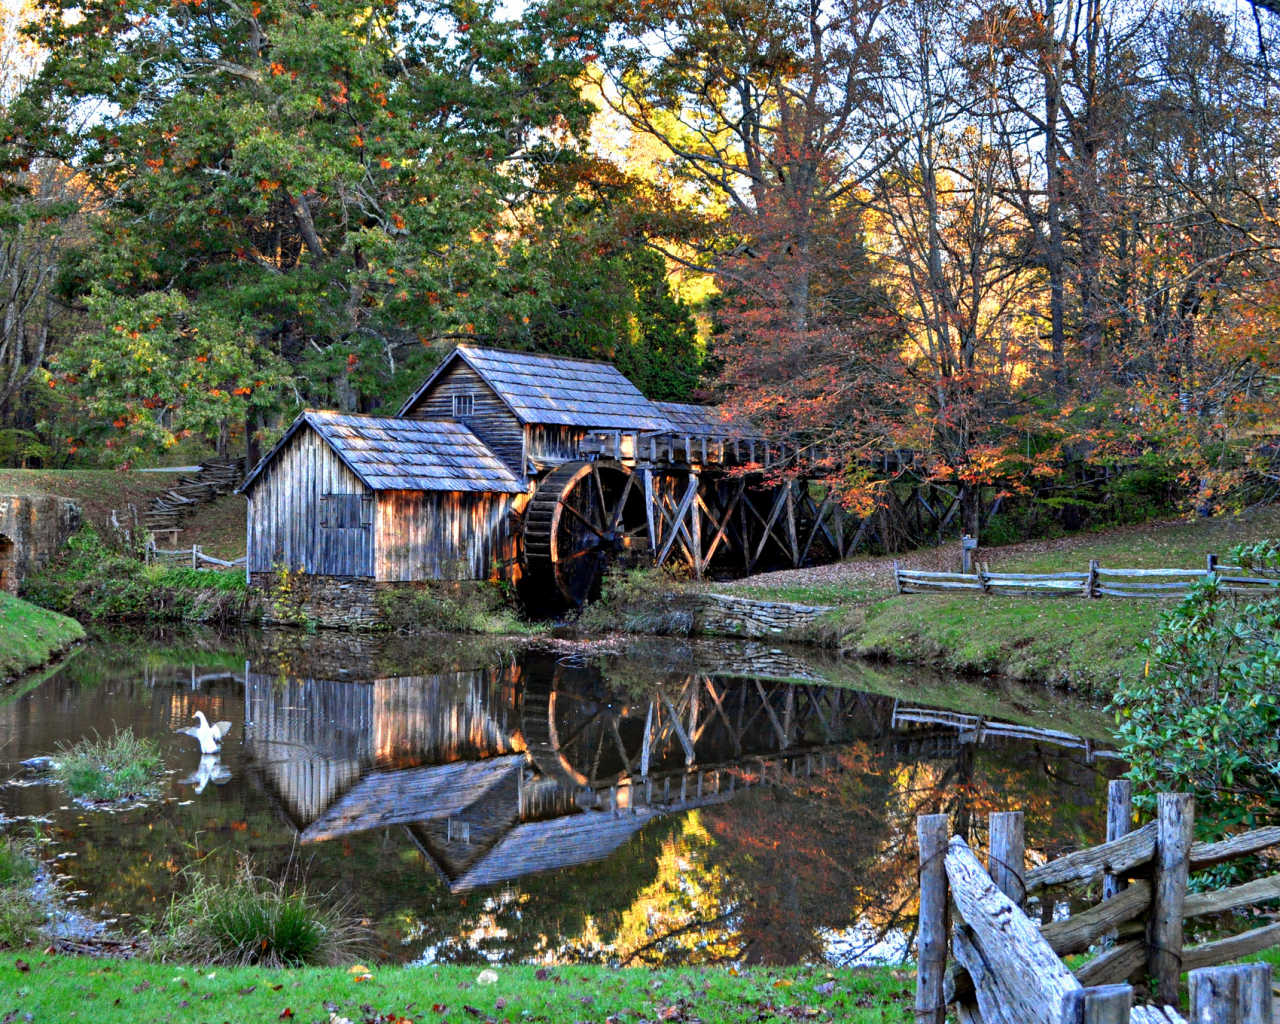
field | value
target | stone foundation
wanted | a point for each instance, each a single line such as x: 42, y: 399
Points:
x: 331, y: 602
x: 335, y: 602
x: 33, y: 528
x: 724, y: 615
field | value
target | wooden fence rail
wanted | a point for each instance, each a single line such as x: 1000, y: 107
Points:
x: 1006, y: 969
x: 1094, y: 583
x: 195, y: 556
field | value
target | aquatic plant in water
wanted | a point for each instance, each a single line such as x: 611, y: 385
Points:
x: 255, y: 920
x: 122, y: 767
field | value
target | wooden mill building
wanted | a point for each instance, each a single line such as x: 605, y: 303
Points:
x: 532, y: 468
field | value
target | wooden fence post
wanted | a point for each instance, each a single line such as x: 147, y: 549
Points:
x: 1103, y: 1004
x: 1007, y: 854
x: 1211, y: 563
x: 1175, y: 817
x: 1091, y: 586
x: 897, y: 582
x: 1240, y: 994
x: 1119, y: 822
x: 932, y: 832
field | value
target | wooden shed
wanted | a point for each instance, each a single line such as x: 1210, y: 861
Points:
x: 380, y: 498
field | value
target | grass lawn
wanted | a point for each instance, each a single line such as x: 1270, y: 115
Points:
x: 1087, y: 644
x: 59, y: 989
x: 30, y: 636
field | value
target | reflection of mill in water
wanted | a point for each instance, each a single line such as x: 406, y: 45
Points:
x: 504, y: 772
x: 499, y: 773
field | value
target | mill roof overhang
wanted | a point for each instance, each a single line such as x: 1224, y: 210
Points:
x: 393, y: 454
x: 556, y: 390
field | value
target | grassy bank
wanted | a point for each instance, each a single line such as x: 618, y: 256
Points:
x: 31, y: 636
x: 97, y: 584
x: 1086, y: 644
x: 218, y: 527
x: 59, y: 988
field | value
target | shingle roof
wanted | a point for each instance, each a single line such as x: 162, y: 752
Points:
x: 557, y: 390
x: 700, y: 419
x: 391, y: 454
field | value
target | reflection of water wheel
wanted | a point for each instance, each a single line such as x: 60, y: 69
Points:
x: 578, y: 731
x: 583, y: 516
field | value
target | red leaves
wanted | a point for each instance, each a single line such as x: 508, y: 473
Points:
x: 286, y: 1014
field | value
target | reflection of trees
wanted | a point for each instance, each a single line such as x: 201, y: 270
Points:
x: 763, y: 878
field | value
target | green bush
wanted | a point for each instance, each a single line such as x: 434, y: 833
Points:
x: 449, y: 606
x: 1204, y: 718
x: 254, y: 920
x: 651, y: 601
x: 91, y: 581
x: 112, y: 770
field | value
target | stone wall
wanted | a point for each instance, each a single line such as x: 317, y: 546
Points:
x: 724, y: 615
x: 33, y: 528
x: 336, y: 602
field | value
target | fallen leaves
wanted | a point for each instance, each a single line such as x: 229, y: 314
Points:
x: 23, y: 966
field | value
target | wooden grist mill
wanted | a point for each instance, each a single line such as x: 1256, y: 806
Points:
x: 536, y: 469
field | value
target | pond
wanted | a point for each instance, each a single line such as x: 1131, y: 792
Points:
x: 637, y: 802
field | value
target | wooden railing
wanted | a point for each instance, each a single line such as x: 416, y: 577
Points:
x: 1093, y: 583
x: 1006, y: 969
x: 195, y: 557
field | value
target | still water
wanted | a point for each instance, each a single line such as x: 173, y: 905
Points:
x: 641, y: 802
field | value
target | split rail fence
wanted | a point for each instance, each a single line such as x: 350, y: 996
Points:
x: 182, y: 556
x: 1006, y: 969
x: 1094, y: 583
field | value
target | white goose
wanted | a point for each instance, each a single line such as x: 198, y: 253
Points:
x: 210, y: 736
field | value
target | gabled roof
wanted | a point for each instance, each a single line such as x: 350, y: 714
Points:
x: 556, y: 390
x: 412, y: 794
x: 390, y: 454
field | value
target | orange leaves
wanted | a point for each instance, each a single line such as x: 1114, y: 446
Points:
x: 277, y: 68
x: 266, y: 185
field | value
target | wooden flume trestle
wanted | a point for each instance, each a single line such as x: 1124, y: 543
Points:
x: 704, y: 499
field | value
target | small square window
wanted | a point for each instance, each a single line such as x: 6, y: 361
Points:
x: 463, y: 405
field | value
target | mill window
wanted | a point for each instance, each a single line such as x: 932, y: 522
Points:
x: 463, y: 406
x: 346, y: 511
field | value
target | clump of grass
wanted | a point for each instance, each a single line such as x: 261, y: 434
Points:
x: 20, y: 915
x: 253, y: 920
x: 650, y: 601
x: 450, y: 606
x: 118, y: 768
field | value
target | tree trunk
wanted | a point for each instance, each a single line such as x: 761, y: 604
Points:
x: 252, y: 450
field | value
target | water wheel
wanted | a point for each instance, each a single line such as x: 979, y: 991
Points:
x: 583, y: 516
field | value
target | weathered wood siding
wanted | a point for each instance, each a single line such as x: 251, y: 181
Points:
x: 492, y: 421
x: 285, y: 513
x: 546, y: 443
x: 444, y: 535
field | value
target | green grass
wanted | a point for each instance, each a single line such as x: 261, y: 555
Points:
x: 252, y: 920
x: 20, y: 915
x: 31, y: 636
x: 121, y: 767
x: 59, y: 989
x: 1085, y: 644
